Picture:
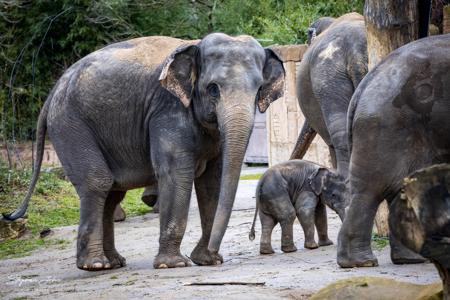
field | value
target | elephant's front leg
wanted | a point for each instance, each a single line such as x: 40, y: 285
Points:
x: 207, y: 188
x: 175, y: 180
x: 305, y: 207
x: 322, y: 224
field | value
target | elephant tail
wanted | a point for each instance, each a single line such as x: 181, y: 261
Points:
x: 304, y: 140
x: 251, y: 235
x: 350, y: 115
x: 40, y: 142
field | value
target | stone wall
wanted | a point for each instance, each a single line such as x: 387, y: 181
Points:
x: 21, y: 155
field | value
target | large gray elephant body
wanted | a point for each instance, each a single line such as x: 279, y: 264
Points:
x: 398, y: 123
x: 330, y: 71
x: 158, y: 110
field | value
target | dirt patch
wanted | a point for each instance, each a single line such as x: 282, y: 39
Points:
x: 52, y: 273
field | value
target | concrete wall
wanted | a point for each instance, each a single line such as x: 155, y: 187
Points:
x: 284, y: 117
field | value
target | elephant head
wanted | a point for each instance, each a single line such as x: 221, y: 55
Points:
x: 318, y: 27
x: 331, y: 189
x: 224, y: 78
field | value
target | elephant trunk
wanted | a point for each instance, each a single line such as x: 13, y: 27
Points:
x: 341, y: 214
x: 235, y: 125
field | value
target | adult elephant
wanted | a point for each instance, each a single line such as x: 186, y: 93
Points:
x: 398, y: 123
x: 317, y: 27
x: 157, y: 110
x: 329, y: 73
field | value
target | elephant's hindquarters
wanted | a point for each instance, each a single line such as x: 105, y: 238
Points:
x: 103, y: 105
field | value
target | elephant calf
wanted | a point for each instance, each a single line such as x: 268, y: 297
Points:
x: 297, y: 188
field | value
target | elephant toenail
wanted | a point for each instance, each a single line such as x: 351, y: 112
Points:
x: 180, y: 264
x: 85, y: 267
x: 162, y: 266
x: 97, y: 265
x: 107, y: 266
x: 218, y: 262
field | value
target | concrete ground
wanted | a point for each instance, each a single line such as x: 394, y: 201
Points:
x: 51, y: 273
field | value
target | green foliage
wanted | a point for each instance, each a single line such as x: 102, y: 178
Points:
x: 42, y: 38
x: 379, y: 242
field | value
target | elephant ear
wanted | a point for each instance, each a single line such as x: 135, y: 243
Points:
x: 273, y: 85
x: 317, y: 180
x: 179, y: 73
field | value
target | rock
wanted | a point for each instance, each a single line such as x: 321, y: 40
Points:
x: 45, y: 233
x: 12, y: 229
x: 378, y: 288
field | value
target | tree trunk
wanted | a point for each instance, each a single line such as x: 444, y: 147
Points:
x: 391, y: 24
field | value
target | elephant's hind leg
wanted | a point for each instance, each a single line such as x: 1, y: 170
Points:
x: 267, y: 225
x: 354, y: 249
x: 112, y: 202
x: 86, y: 168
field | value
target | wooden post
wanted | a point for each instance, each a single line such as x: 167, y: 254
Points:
x: 390, y: 24
x: 446, y: 21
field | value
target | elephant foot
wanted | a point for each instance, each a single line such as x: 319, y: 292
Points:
x: 400, y: 256
x: 203, y: 257
x: 266, y: 249
x: 325, y: 242
x: 356, y: 259
x: 116, y: 260
x: 164, y: 261
x: 288, y: 248
x: 119, y: 214
x: 94, y: 263
x: 311, y: 245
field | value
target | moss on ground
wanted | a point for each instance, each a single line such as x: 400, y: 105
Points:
x: 54, y: 204
x: 378, y: 288
x: 251, y: 177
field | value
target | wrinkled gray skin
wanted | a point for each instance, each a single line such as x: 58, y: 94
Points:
x: 318, y: 27
x: 331, y: 69
x: 158, y: 109
x: 398, y: 123
x: 301, y: 189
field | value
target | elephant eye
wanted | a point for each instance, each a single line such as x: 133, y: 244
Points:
x: 213, y: 90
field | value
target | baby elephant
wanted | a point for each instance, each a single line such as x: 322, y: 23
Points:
x: 297, y: 188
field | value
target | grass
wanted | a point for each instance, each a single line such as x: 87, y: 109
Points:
x: 250, y: 177
x: 379, y: 242
x: 54, y: 204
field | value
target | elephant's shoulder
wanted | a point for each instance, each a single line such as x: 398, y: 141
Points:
x: 147, y: 51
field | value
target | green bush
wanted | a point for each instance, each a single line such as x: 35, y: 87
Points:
x: 41, y: 38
